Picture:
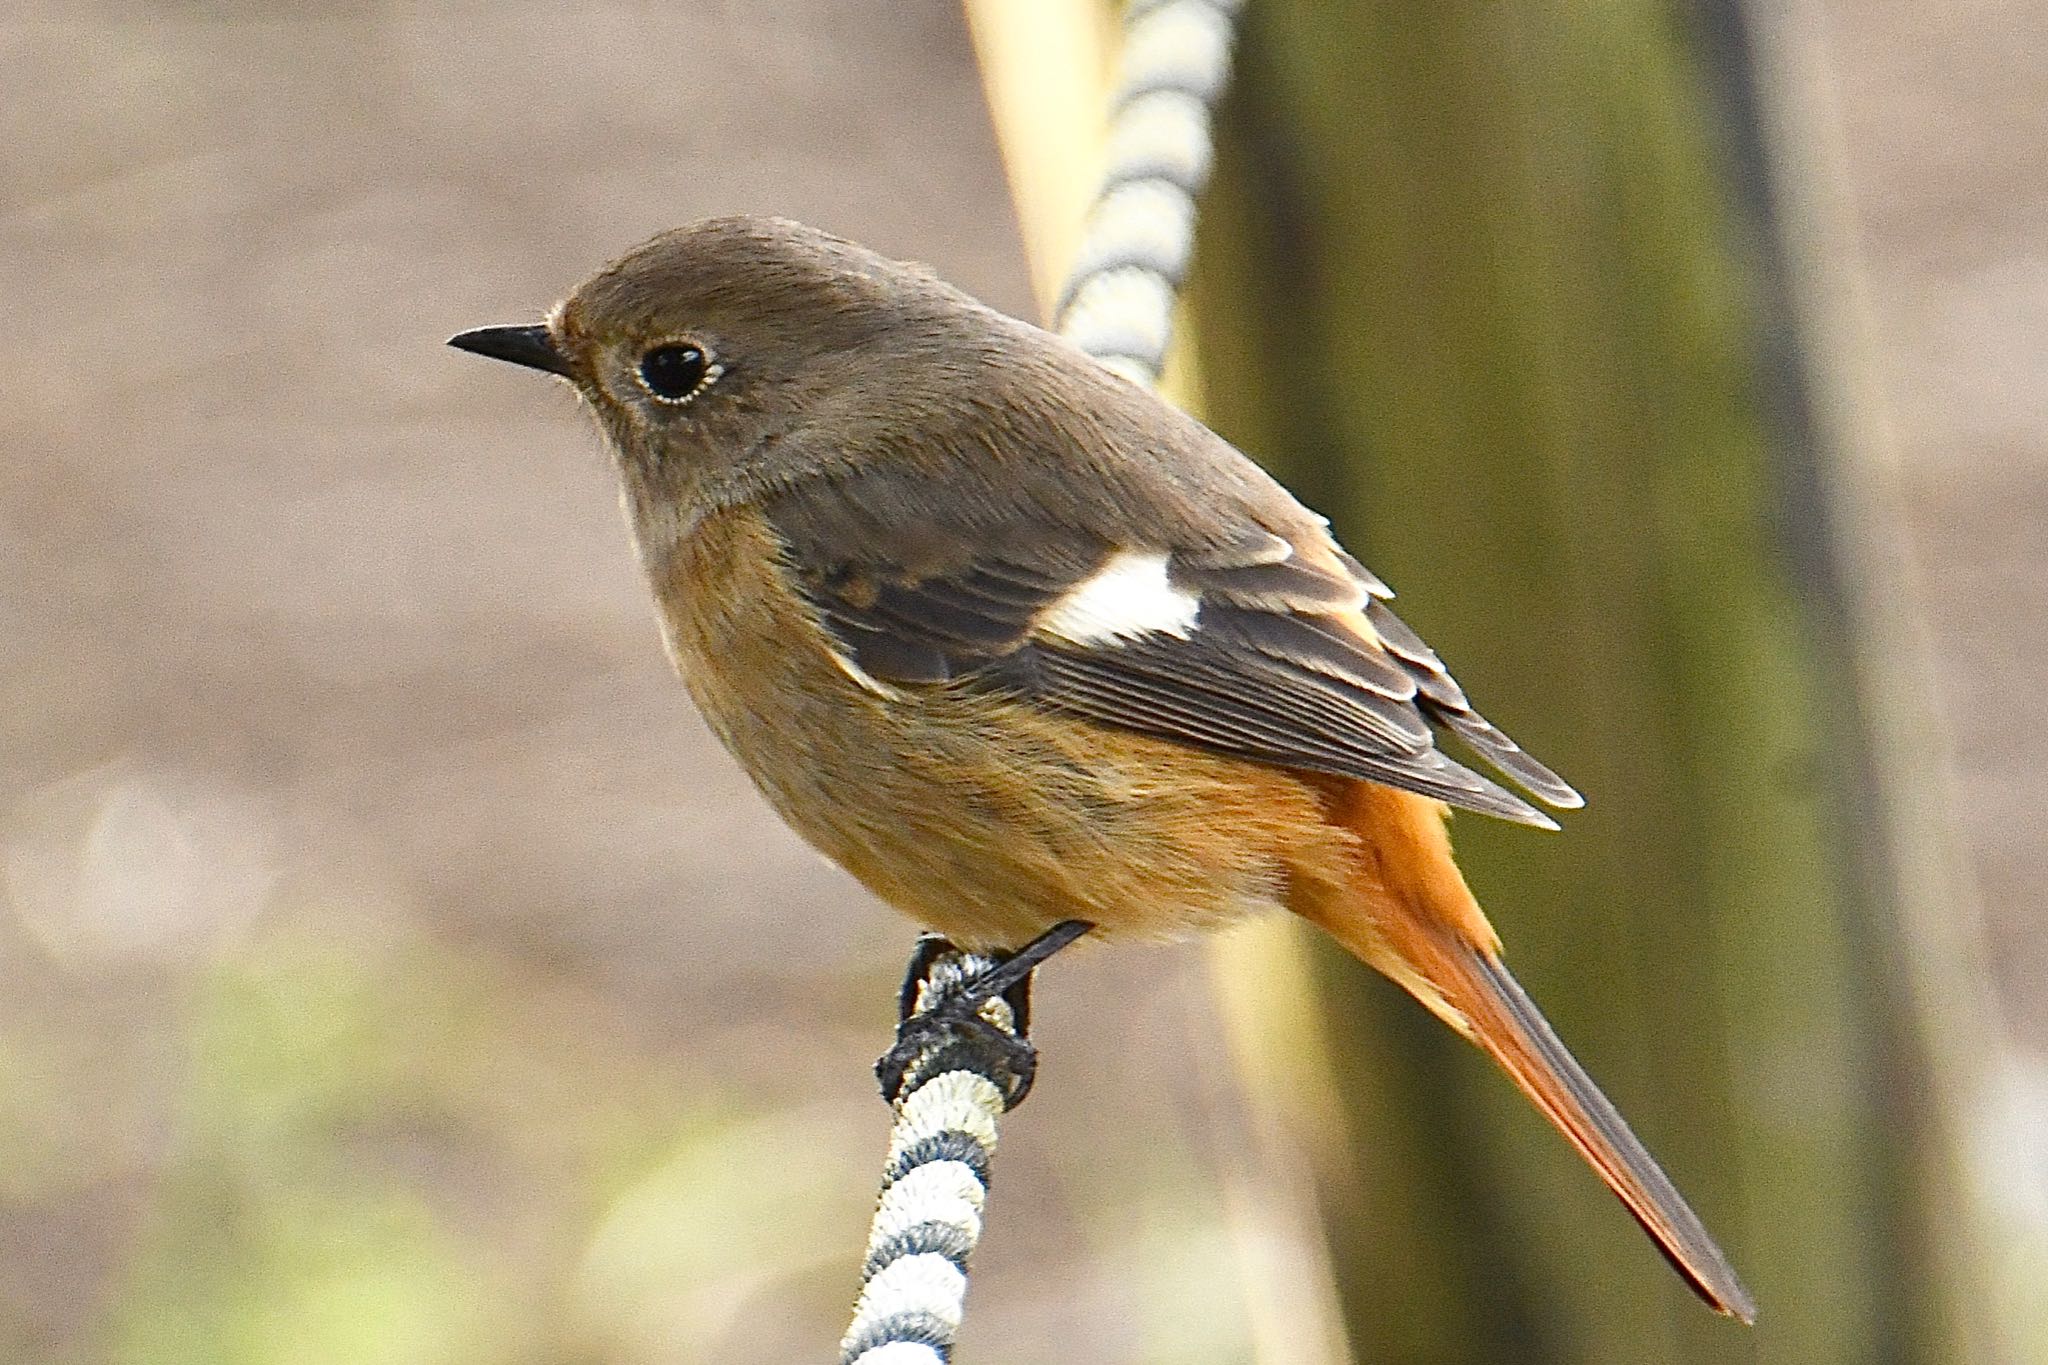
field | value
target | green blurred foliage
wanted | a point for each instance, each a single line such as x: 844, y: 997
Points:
x: 412, y: 1156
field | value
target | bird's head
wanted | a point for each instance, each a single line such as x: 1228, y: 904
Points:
x: 703, y: 349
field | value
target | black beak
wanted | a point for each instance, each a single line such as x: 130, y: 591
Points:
x: 528, y: 346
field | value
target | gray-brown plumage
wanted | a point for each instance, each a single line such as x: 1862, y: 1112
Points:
x: 1014, y: 641
x: 924, y: 579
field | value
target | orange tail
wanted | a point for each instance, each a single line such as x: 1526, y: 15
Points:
x: 1404, y: 908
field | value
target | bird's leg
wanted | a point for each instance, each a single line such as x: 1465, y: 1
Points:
x: 969, y: 1012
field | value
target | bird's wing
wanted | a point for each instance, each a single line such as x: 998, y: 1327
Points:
x: 1277, y: 648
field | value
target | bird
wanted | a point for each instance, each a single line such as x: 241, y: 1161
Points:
x: 1015, y: 641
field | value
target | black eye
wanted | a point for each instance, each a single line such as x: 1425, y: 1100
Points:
x: 676, y: 372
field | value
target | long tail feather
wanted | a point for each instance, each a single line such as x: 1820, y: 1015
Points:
x: 1404, y: 908
x: 1508, y: 1026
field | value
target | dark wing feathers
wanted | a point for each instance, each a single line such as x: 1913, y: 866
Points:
x: 1264, y: 572
x: 1300, y: 672
x: 1165, y: 701
x: 1444, y: 702
x: 1367, y: 579
x: 1270, y: 671
x: 899, y: 628
x: 1316, y: 643
x: 883, y: 652
x: 1432, y: 679
x: 1484, y: 738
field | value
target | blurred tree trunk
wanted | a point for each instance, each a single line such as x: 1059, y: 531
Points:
x: 1474, y: 282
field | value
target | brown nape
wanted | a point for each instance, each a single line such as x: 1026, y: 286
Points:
x: 1403, y: 907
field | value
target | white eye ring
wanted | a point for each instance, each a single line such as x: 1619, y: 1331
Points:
x: 675, y: 372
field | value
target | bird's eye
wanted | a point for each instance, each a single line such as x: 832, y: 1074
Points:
x: 677, y: 371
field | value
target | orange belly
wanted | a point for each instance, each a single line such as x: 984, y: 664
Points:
x: 981, y: 818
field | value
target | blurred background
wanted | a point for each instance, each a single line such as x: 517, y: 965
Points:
x: 393, y: 971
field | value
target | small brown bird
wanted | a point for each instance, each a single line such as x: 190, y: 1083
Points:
x: 1014, y: 641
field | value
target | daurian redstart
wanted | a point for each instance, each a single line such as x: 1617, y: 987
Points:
x: 1014, y: 641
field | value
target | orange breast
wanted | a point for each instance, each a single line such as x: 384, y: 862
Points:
x: 985, y: 819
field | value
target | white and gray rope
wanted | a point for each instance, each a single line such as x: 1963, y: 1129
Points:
x: 1118, y: 307
x: 1120, y: 294
x: 934, y: 1183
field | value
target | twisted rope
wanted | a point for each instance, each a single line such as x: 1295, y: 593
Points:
x: 961, y: 1059
x: 974, y: 1065
x: 934, y: 1182
x: 1120, y: 294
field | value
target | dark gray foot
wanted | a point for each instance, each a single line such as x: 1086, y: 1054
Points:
x: 965, y: 1012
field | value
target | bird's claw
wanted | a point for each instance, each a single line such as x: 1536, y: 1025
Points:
x: 973, y: 1017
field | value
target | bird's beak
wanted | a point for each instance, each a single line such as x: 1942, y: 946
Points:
x: 528, y: 346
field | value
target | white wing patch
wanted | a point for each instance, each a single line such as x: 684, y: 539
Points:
x: 1126, y: 598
